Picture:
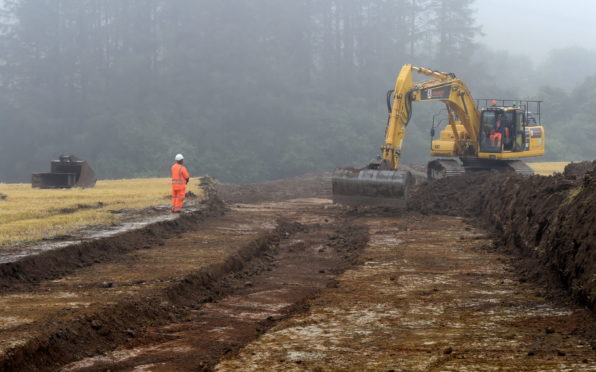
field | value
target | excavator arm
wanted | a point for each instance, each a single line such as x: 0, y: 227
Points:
x: 443, y: 87
x: 381, y: 182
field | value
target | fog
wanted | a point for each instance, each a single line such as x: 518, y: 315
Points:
x: 251, y: 90
x: 535, y: 27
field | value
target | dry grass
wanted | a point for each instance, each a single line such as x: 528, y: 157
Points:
x: 31, y: 214
x: 548, y: 168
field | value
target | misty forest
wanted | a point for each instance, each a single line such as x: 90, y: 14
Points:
x: 252, y: 90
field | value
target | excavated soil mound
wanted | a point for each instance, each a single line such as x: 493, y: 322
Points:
x: 454, y: 196
x: 548, y: 219
x: 579, y: 169
x: 307, y: 186
x: 552, y: 219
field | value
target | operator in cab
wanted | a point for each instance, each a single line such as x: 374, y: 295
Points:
x: 496, y: 135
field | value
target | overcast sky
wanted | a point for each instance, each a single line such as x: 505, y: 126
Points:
x: 534, y: 27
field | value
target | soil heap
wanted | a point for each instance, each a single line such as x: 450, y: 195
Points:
x: 306, y: 186
x: 549, y: 219
x: 579, y: 169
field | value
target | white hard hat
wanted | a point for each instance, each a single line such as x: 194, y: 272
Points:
x: 179, y: 157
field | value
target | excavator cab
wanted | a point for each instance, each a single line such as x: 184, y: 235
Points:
x: 507, y: 128
x: 501, y: 130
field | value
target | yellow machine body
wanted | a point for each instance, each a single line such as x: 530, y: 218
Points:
x: 483, y: 138
x: 467, y: 132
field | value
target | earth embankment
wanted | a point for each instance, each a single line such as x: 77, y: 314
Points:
x: 547, y: 220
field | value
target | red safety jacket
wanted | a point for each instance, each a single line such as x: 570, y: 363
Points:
x: 179, y: 176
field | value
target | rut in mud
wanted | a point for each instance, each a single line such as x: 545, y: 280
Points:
x: 429, y: 296
x: 289, y: 249
x: 299, y: 267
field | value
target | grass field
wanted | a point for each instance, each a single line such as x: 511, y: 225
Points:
x: 30, y: 214
x: 548, y: 168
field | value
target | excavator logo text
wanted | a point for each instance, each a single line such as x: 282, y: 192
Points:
x: 436, y: 93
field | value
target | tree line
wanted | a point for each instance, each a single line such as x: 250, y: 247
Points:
x: 246, y: 90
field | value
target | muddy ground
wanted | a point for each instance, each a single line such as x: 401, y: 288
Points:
x: 307, y: 186
x: 548, y: 221
x: 278, y: 278
x: 429, y: 296
x: 169, y: 281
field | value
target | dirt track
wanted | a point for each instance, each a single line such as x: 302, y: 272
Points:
x: 428, y: 297
x: 343, y: 289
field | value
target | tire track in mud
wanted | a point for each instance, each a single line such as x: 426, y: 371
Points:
x: 429, y: 296
x: 67, y: 328
x: 96, y: 308
x: 304, y: 263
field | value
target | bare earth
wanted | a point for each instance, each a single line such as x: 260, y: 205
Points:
x: 428, y: 297
x: 281, y: 279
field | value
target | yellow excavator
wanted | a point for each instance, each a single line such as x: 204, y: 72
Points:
x: 486, y: 134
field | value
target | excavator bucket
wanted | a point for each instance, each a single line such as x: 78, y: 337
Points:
x: 66, y: 172
x: 371, y: 187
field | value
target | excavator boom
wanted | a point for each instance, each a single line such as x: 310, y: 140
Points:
x: 382, y: 182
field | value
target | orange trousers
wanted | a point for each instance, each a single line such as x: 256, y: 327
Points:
x: 495, y: 139
x: 178, y: 198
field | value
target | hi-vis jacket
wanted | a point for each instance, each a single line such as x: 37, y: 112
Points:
x: 179, y: 176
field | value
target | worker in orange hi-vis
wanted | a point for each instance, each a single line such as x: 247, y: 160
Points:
x: 180, y: 178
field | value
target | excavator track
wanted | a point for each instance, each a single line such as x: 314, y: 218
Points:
x: 520, y: 167
x: 442, y: 168
x: 505, y: 166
